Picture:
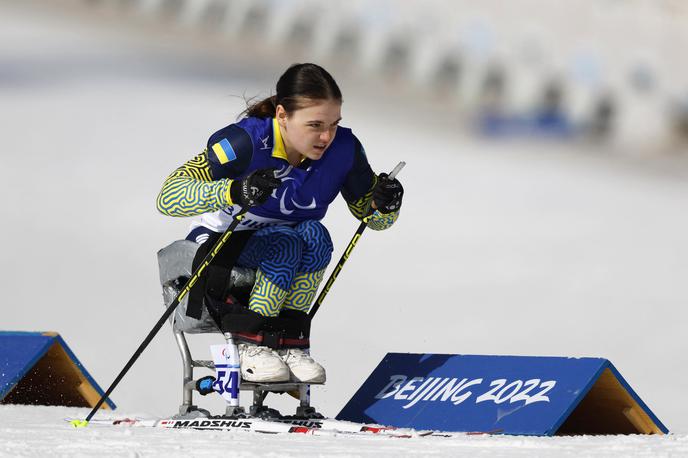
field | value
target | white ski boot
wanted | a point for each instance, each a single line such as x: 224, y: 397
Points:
x: 261, y: 364
x: 303, y: 368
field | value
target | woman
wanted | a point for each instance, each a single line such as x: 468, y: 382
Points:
x: 283, y: 163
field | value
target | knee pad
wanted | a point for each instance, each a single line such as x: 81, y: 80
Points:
x: 317, y: 246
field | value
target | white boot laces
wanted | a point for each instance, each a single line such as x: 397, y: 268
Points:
x: 296, y: 354
x: 254, y: 350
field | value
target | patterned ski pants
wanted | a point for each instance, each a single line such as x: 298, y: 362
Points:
x: 290, y: 263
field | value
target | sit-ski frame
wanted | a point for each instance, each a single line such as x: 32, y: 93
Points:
x: 260, y: 390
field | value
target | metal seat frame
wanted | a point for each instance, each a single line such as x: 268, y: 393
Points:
x: 259, y: 390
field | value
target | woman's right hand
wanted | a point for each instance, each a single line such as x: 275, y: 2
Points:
x: 254, y: 189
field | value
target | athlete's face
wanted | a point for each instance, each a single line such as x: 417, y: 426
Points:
x: 309, y: 131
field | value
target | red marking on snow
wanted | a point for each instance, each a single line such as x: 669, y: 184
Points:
x: 124, y: 421
x: 376, y: 429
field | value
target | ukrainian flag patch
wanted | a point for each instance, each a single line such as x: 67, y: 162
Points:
x: 224, y: 151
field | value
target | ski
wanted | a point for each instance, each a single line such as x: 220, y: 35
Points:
x: 315, y: 427
x: 344, y: 426
x: 349, y: 427
x: 211, y: 424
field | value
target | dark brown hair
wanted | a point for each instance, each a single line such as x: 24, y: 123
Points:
x: 298, y: 85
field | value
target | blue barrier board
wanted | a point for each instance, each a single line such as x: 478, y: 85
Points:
x: 23, y: 352
x: 497, y: 394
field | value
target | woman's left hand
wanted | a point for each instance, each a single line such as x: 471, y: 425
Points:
x: 387, y: 194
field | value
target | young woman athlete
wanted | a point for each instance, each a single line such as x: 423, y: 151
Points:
x: 283, y: 163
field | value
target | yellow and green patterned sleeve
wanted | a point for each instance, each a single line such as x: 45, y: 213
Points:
x: 360, y: 207
x: 381, y: 221
x: 190, y: 190
x: 378, y: 221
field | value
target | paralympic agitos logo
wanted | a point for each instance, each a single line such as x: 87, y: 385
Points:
x: 287, y: 203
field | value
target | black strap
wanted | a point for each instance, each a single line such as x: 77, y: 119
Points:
x: 219, y: 270
x: 290, y: 329
x: 217, y: 282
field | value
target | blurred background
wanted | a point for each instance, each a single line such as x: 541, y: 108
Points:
x: 546, y: 187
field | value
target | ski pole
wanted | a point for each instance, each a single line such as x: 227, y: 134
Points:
x: 347, y: 252
x: 180, y: 296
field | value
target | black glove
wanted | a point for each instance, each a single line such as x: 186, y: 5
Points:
x: 387, y: 194
x: 254, y: 189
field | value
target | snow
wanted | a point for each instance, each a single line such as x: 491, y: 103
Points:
x: 502, y: 248
x: 41, y: 431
